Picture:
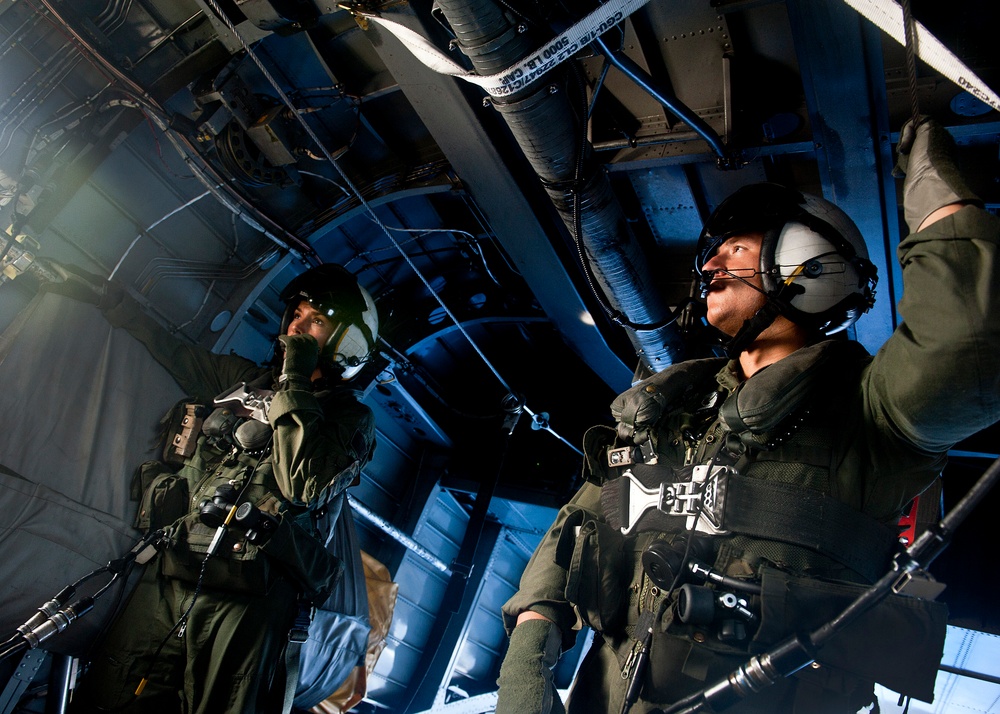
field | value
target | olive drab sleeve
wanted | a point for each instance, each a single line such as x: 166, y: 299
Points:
x: 526, y: 684
x: 936, y: 380
x: 318, y: 448
x: 199, y: 372
x: 543, y: 583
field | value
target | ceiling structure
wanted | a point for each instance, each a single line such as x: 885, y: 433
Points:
x: 204, y: 152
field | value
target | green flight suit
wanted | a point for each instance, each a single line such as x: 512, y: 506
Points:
x: 870, y: 432
x: 225, y: 656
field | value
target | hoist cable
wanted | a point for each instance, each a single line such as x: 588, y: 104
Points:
x: 909, y: 32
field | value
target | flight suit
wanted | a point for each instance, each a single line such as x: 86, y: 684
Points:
x: 216, y: 647
x: 827, y: 422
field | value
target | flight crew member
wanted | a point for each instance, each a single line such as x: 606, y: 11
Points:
x: 206, y: 634
x: 804, y: 450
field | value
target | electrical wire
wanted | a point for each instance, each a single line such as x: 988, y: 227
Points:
x: 201, y: 307
x: 153, y: 225
x: 222, y: 191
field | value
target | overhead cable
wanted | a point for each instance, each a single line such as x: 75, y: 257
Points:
x: 369, y: 209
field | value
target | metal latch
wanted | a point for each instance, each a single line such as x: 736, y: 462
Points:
x: 700, y: 501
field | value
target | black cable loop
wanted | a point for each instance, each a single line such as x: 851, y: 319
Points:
x: 616, y: 316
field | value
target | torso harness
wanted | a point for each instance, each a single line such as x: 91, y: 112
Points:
x: 713, y: 495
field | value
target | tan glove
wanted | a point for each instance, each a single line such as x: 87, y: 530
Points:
x: 926, y: 157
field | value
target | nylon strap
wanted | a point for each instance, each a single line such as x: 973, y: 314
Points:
x: 808, y: 518
x: 533, y: 65
x: 776, y: 511
x: 888, y: 17
x: 297, y: 636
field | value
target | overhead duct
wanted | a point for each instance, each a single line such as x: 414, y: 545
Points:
x: 548, y: 127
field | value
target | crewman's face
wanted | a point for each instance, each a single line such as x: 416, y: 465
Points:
x: 307, y: 320
x: 730, y: 301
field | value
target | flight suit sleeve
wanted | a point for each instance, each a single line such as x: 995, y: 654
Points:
x: 199, y: 372
x: 543, y: 583
x: 936, y: 380
x: 319, y: 448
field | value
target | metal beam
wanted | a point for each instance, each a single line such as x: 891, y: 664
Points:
x: 452, y: 624
x: 835, y: 63
x: 446, y: 111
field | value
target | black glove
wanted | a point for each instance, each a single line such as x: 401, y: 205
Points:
x: 526, y: 685
x: 926, y: 157
x: 301, y: 359
x: 80, y: 285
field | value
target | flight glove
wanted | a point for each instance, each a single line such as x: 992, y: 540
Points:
x: 526, y: 685
x: 80, y: 285
x: 926, y: 157
x: 301, y: 358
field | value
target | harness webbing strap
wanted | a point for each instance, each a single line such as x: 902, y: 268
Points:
x: 888, y: 17
x: 529, y: 69
x: 779, y: 512
x: 808, y: 518
x: 297, y: 636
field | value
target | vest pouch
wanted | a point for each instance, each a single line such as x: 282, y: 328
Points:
x: 236, y: 567
x: 164, y: 496
x: 897, y: 643
x: 596, y: 580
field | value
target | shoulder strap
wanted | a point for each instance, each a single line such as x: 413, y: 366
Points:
x: 297, y: 636
x: 808, y: 518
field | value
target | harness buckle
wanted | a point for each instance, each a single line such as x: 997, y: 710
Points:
x: 299, y: 631
x: 700, y: 501
x: 622, y: 456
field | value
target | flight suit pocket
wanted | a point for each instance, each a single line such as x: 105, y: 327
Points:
x: 595, y: 580
x: 237, y: 565
x: 164, y: 496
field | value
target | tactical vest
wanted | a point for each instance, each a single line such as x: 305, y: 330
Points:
x: 787, y: 524
x: 172, y: 499
x: 768, y: 443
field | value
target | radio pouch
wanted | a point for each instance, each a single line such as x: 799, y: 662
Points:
x: 898, y: 643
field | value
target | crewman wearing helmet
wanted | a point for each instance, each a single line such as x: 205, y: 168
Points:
x: 258, y: 454
x: 741, y: 500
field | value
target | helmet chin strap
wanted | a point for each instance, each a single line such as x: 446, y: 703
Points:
x: 752, y: 327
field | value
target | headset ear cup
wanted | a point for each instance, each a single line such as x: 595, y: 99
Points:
x: 770, y: 278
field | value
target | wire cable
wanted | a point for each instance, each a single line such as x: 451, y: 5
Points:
x: 368, y: 208
x: 153, y: 225
x: 909, y: 31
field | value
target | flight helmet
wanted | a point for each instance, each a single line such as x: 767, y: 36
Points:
x: 336, y: 293
x: 814, y: 262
